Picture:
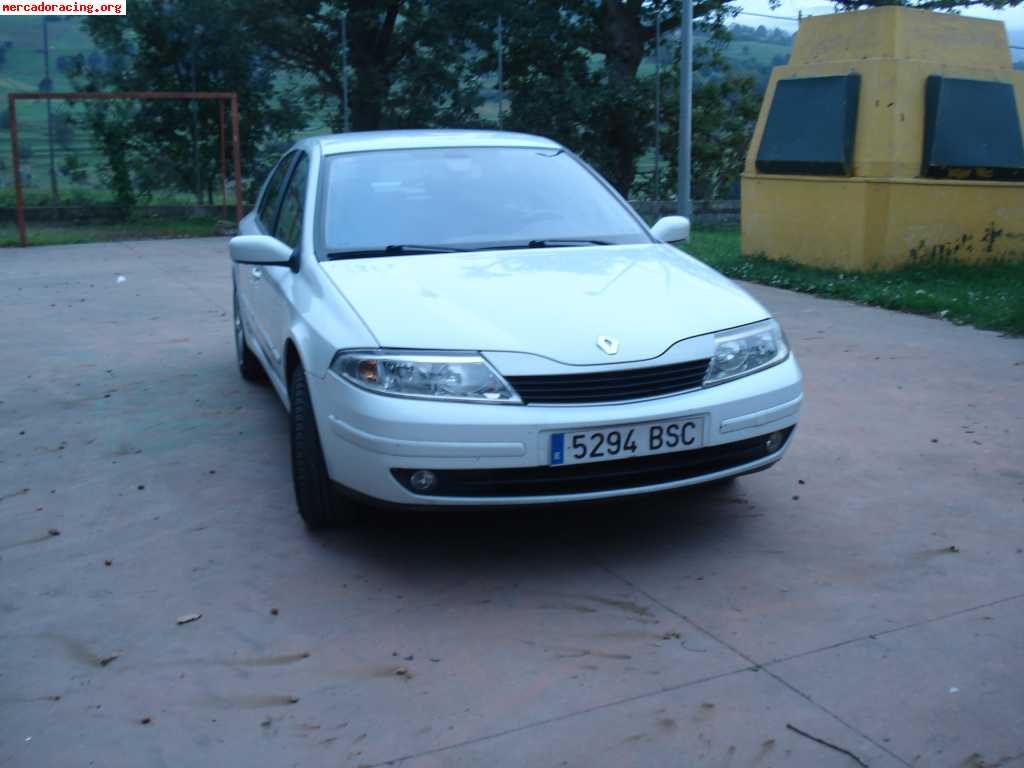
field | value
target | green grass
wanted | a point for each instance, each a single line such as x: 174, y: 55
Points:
x: 44, y: 234
x: 984, y: 295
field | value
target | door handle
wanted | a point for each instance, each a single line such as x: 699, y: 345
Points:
x: 256, y: 272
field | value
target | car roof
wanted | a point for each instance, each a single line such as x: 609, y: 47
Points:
x: 367, y: 141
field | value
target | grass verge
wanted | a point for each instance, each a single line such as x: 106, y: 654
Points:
x: 48, y: 234
x: 987, y: 296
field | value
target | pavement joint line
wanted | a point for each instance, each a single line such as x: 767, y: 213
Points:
x: 836, y: 717
x: 563, y: 717
x: 875, y: 635
x: 754, y: 665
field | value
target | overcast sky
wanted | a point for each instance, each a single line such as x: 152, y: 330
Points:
x: 1012, y: 17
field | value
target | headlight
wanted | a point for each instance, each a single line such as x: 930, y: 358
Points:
x: 743, y: 351
x: 442, y: 375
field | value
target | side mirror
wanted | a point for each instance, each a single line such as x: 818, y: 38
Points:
x: 672, y: 229
x: 261, y: 249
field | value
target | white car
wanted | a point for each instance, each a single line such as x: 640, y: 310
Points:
x: 477, y: 318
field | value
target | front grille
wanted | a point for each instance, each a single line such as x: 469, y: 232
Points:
x: 610, y: 386
x: 599, y: 476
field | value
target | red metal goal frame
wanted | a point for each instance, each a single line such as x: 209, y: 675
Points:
x: 220, y: 96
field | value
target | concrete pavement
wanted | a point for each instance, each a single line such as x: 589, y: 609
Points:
x: 869, y: 590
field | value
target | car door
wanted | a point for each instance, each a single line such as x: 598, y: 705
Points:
x: 274, y: 302
x: 250, y: 278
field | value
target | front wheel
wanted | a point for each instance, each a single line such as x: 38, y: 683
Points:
x: 319, y: 504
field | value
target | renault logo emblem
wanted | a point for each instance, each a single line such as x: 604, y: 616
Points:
x: 608, y: 344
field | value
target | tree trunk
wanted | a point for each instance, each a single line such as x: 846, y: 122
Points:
x: 623, y: 46
x: 372, y: 58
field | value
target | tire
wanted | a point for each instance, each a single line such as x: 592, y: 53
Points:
x: 318, y: 502
x: 248, y: 364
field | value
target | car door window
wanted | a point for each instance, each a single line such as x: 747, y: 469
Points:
x: 289, y: 223
x: 267, y: 210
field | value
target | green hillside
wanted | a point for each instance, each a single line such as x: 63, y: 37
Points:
x: 751, y: 51
x: 22, y: 69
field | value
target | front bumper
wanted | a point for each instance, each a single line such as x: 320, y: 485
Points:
x: 366, y: 436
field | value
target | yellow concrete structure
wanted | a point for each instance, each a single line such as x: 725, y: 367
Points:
x: 886, y: 214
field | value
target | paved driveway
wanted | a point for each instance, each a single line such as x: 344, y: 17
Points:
x: 868, y: 591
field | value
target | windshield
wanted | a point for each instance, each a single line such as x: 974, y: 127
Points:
x: 468, y: 198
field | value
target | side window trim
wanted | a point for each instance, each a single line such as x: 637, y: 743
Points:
x: 263, y: 194
x: 299, y: 156
x: 289, y: 161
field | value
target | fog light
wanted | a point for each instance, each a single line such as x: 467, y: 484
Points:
x: 774, y: 441
x: 422, y: 480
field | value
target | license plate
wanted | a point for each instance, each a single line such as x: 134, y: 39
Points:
x: 627, y: 441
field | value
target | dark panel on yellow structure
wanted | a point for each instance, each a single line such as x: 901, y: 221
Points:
x: 971, y: 130
x: 811, y: 127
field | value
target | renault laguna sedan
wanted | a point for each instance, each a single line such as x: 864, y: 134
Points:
x: 478, y: 318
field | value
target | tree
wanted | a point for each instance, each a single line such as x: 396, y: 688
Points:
x: 572, y: 67
x: 412, y: 63
x: 725, y: 109
x: 111, y: 126
x: 574, y: 73
x: 180, y: 46
x: 551, y: 84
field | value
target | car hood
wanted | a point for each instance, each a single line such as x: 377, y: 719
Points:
x: 553, y: 302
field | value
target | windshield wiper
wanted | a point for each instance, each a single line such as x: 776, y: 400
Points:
x: 556, y: 243
x: 393, y: 250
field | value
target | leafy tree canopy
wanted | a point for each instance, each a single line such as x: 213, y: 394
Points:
x: 180, y: 46
x: 576, y: 70
x: 412, y: 63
